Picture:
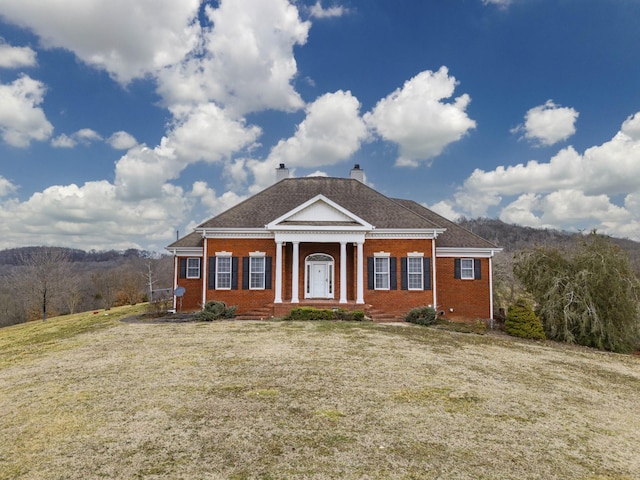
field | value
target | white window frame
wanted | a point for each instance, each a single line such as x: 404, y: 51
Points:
x: 379, y: 277
x: 254, y: 259
x: 467, y: 272
x: 193, y: 265
x: 220, y: 273
x: 416, y: 260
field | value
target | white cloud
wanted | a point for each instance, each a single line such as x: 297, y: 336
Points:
x: 84, y: 136
x: 570, y: 190
x: 6, y: 187
x: 244, y: 63
x: 548, y: 124
x: 127, y: 39
x: 318, y: 173
x: 213, y: 203
x: 499, y: 3
x: 63, y: 141
x: 92, y: 216
x: 446, y: 209
x: 246, y: 60
x: 417, y: 118
x: 331, y: 132
x: 21, y: 118
x: 122, y: 140
x: 142, y: 171
x: 317, y: 11
x: 205, y: 132
x: 16, y: 57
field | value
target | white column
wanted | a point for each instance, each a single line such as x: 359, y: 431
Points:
x: 360, y: 275
x: 176, y: 268
x: 278, y: 298
x: 294, y: 273
x: 490, y: 289
x: 204, y: 268
x: 343, y: 272
x: 434, y: 287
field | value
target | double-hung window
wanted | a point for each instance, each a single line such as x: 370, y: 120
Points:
x: 256, y: 273
x: 381, y: 265
x: 193, y: 268
x: 414, y: 273
x: 223, y: 273
x: 466, y: 269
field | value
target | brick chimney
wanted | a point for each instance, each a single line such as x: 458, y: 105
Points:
x: 282, y: 172
x: 357, y: 173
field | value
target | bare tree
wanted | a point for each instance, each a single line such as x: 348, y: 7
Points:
x: 132, y: 284
x: 73, y: 295
x: 41, y: 282
x: 106, y: 284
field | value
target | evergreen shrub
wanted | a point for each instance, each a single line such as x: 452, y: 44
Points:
x: 215, y: 310
x: 523, y: 322
x: 421, y: 315
x: 311, y: 313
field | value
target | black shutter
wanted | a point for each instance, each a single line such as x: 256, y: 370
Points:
x: 393, y: 273
x: 183, y: 268
x: 456, y: 268
x: 267, y: 272
x: 404, y: 274
x: 370, y: 274
x: 426, y: 271
x: 212, y: 273
x: 477, y: 266
x: 245, y: 273
x: 234, y: 273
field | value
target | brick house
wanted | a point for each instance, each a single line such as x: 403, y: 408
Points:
x: 333, y: 243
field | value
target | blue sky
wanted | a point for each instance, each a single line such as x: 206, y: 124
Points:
x: 122, y: 122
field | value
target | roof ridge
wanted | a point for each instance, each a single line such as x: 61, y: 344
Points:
x: 448, y: 221
x: 398, y: 201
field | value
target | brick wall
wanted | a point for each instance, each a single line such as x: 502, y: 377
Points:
x: 399, y: 301
x: 245, y: 300
x: 469, y: 299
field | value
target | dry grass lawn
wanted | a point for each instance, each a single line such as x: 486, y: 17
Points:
x: 90, y: 397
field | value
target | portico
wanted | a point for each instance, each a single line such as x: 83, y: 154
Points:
x: 315, y: 268
x: 315, y: 224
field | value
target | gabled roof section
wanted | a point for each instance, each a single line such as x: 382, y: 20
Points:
x: 359, y: 200
x: 455, y: 236
x: 319, y: 211
x: 191, y: 243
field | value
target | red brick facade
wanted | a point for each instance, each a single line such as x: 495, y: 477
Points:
x: 456, y: 298
x: 397, y: 254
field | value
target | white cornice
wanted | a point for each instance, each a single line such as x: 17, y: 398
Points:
x: 235, y: 233
x: 466, y: 252
x: 187, y: 251
x: 422, y: 233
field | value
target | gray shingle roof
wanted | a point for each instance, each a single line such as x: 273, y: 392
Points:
x: 192, y: 240
x: 455, y: 236
x: 284, y: 196
x: 368, y: 204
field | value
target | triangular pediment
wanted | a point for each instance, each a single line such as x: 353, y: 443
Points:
x: 319, y: 212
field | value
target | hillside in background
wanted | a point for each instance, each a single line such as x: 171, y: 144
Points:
x: 101, y: 279
x: 512, y: 237
x: 77, y: 281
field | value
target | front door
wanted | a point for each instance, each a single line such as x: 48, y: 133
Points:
x: 319, y: 280
x: 319, y: 276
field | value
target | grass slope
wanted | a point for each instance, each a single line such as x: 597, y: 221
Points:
x: 90, y: 397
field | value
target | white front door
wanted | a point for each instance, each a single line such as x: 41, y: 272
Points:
x: 319, y: 280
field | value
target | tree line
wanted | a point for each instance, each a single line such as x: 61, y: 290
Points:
x: 582, y: 288
x: 40, y: 282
